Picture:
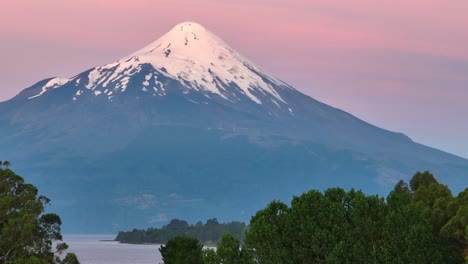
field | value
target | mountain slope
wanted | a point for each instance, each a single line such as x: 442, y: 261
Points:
x: 186, y: 127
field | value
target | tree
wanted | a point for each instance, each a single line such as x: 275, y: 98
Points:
x: 267, y: 234
x: 228, y: 251
x: 434, y: 205
x: 177, y: 224
x: 456, y: 229
x: 433, y: 199
x: 182, y: 250
x: 422, y: 179
x: 26, y: 232
x: 210, y: 256
x: 6, y: 164
x: 408, y: 232
x: 70, y: 258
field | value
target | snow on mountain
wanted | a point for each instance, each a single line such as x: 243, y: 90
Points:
x: 190, y: 54
x: 52, y: 84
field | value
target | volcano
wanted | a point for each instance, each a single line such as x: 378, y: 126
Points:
x: 188, y: 128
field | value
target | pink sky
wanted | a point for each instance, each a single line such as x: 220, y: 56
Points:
x: 401, y: 65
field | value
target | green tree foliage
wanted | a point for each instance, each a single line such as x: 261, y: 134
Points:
x: 70, y: 258
x: 229, y: 251
x: 210, y: 256
x: 267, y: 234
x: 208, y: 233
x: 182, y: 250
x: 26, y: 232
x: 433, y: 201
x: 424, y: 179
x: 448, y: 215
x: 409, y: 233
x: 456, y: 228
x: 349, y: 227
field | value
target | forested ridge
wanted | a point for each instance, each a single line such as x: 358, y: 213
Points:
x: 208, y: 233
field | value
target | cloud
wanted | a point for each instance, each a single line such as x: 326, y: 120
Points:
x: 139, y: 201
x: 157, y: 218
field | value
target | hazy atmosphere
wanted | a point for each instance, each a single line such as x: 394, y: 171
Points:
x: 397, y: 64
x: 222, y: 131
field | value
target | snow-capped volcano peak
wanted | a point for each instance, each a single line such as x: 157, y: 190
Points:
x: 188, y: 41
x: 194, y: 54
x: 185, y: 39
x: 194, y: 57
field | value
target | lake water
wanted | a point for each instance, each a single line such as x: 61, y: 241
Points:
x: 97, y: 249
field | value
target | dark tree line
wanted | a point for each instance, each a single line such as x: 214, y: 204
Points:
x: 419, y: 222
x: 208, y: 233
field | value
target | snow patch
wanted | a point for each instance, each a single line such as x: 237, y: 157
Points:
x: 276, y: 103
x: 193, y: 101
x: 51, y: 84
x: 93, y: 76
x: 124, y: 82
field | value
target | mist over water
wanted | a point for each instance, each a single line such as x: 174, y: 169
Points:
x: 100, y: 249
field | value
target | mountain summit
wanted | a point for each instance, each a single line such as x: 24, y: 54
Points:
x: 192, y: 53
x: 189, y: 53
x: 188, y: 128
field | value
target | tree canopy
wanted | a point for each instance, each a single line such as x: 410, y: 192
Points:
x: 228, y: 251
x: 182, y: 250
x: 27, y: 233
x: 419, y: 223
